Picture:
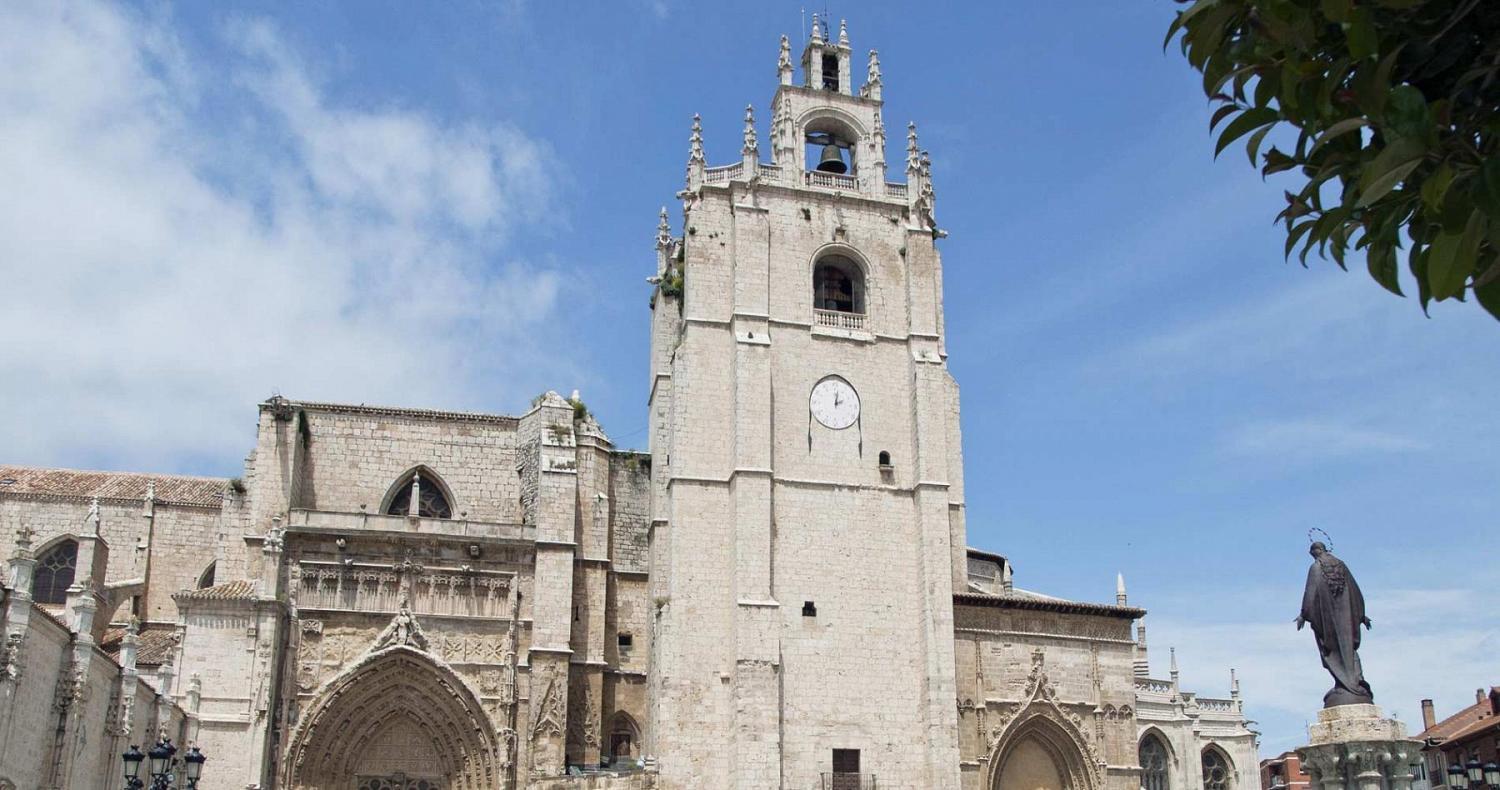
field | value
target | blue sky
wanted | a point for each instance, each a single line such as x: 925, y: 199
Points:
x: 454, y: 207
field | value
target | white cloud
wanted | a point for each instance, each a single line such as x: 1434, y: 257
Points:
x: 180, y: 234
x: 1422, y: 646
x: 1314, y: 439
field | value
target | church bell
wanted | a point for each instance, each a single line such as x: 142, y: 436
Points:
x: 832, y: 161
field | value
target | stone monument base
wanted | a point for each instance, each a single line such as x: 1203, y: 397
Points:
x: 1354, y: 747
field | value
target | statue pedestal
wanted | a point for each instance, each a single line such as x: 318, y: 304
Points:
x: 1354, y: 747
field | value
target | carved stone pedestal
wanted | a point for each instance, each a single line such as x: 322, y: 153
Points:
x: 1354, y: 747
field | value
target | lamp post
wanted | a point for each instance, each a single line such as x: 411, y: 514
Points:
x: 1457, y: 778
x: 194, y: 760
x: 1492, y: 774
x: 162, y: 761
x: 132, y: 759
x: 1481, y: 775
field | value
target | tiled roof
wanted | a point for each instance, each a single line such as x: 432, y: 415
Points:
x: 154, y: 647
x: 1475, y: 718
x: 170, y: 489
x: 238, y: 590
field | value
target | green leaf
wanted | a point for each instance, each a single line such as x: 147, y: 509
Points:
x: 1488, y: 294
x: 1417, y: 262
x: 1388, y: 169
x: 1453, y: 257
x: 1406, y: 113
x: 1336, y: 10
x: 1342, y: 127
x: 1241, y: 126
x: 1487, y: 188
x: 1184, y: 17
x: 1435, y: 187
x: 1381, y: 259
x: 1220, y: 114
x: 1253, y: 146
x: 1297, y: 232
x: 1360, y: 29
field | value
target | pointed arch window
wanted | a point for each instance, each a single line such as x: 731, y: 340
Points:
x: 419, y: 487
x: 1217, y: 774
x: 54, y: 574
x: 206, y: 579
x: 1153, y: 755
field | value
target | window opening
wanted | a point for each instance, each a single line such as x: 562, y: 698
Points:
x: 1153, y: 764
x: 54, y: 573
x: 428, y: 495
x: 625, y: 641
x: 830, y: 72
x: 809, y: 609
x: 206, y: 579
x: 885, y: 458
x: 1215, y: 771
x: 838, y: 285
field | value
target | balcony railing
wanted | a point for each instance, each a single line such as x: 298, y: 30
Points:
x: 1221, y: 705
x: 836, y: 319
x: 725, y: 174
x: 326, y: 520
x: 1153, y: 686
x: 819, y: 178
x: 847, y: 781
x: 895, y: 190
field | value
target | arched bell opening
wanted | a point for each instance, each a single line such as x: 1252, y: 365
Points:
x: 397, y: 713
x: 832, y: 146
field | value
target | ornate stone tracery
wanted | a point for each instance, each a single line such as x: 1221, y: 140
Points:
x: 403, y: 687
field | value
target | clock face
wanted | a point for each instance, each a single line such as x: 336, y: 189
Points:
x: 834, y: 403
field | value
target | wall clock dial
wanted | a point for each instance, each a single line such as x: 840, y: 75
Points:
x: 834, y: 403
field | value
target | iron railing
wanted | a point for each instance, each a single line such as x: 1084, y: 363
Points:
x: 840, y: 780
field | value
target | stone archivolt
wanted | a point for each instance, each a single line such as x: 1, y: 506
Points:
x: 394, y: 686
x: 1040, y: 717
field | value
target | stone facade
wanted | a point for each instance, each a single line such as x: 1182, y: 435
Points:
x: 779, y: 594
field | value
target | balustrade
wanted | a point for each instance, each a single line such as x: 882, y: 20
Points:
x: 836, y: 319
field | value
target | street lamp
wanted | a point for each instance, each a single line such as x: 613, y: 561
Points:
x: 1492, y: 774
x: 1474, y: 770
x: 161, y: 764
x: 1457, y: 779
x: 132, y: 759
x: 194, y: 760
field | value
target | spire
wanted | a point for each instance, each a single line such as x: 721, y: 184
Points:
x: 752, y: 146
x: 783, y: 138
x: 1234, y: 685
x: 1007, y: 583
x: 913, y: 155
x: 696, y: 162
x: 784, y: 62
x: 871, y: 89
x: 843, y: 33
x: 1120, y: 589
x: 1142, y: 662
x: 1174, y: 668
x: 817, y: 31
x: 663, y: 231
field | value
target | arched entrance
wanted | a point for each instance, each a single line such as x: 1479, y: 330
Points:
x: 397, y: 720
x: 624, y: 739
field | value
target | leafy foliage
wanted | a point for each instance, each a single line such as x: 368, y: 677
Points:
x: 1396, y: 104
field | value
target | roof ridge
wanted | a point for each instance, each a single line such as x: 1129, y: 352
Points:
x: 120, y: 472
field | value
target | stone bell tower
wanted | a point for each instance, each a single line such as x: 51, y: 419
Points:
x: 808, y: 517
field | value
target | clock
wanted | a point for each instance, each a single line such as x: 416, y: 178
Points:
x: 834, y: 403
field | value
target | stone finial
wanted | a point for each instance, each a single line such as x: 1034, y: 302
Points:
x: 696, y: 161
x: 843, y: 33
x: 817, y: 31
x: 1173, y: 652
x: 1007, y: 583
x: 752, y: 146
x: 871, y: 87
x: 663, y: 231
x: 1140, y: 634
x: 1120, y: 589
x: 22, y: 543
x: 784, y: 62
x: 1234, y: 684
x: 93, y: 518
x: 150, y: 491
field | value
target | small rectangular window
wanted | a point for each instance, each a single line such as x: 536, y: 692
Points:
x: 846, y: 761
x: 809, y: 609
x: 625, y: 641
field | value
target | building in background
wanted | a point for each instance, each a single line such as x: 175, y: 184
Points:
x: 1283, y: 772
x: 1471, y: 733
x: 779, y: 594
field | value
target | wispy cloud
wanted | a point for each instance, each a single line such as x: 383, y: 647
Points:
x: 1314, y: 439
x: 181, y: 233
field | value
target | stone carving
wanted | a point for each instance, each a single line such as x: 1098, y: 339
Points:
x: 10, y: 658
x: 403, y: 630
x: 312, y: 627
x: 1040, y: 713
x: 1333, y: 604
x: 548, y: 719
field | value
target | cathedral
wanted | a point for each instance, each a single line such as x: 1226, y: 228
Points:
x: 778, y: 593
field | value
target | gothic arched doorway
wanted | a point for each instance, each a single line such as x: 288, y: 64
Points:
x: 1040, y: 754
x: 397, y: 720
x: 624, y: 739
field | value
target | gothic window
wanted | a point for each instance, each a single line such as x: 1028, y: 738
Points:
x: 1216, y: 774
x: 830, y: 72
x: 206, y: 580
x: 838, y: 285
x: 422, y: 485
x: 1153, y: 755
x: 54, y: 573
